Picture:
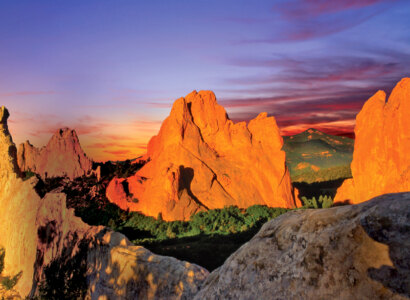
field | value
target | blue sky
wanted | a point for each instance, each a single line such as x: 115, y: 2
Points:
x: 111, y: 69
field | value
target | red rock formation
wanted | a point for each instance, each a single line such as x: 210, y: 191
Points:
x: 381, y: 160
x: 200, y: 159
x: 63, y: 156
x: 36, y: 231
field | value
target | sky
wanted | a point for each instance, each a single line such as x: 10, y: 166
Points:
x: 111, y: 69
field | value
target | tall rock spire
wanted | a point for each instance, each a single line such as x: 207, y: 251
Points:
x: 8, y: 152
x: 200, y: 159
x: 381, y: 160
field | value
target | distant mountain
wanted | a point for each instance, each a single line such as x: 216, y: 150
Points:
x: 62, y: 156
x: 316, y: 156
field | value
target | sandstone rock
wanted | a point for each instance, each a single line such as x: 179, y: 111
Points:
x: 350, y: 252
x: 39, y: 232
x: 62, y: 156
x: 123, y: 271
x: 381, y: 160
x: 201, y: 160
x: 118, y: 191
x: 8, y: 151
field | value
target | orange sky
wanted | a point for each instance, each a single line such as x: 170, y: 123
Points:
x: 118, y: 139
x: 112, y: 71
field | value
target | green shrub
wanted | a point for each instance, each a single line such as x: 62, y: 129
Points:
x: 6, y: 281
x: 10, y: 282
x: 322, y: 202
x: 28, y: 174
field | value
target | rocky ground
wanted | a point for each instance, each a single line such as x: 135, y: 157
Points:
x: 349, y: 252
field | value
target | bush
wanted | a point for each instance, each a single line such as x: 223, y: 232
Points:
x: 10, y: 282
x: 28, y: 174
x: 6, y: 281
x: 322, y: 202
x: 329, y: 174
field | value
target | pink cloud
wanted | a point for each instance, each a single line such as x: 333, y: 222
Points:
x: 118, y: 152
x: 27, y: 93
x: 313, y: 8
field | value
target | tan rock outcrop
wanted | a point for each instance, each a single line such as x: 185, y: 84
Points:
x: 62, y: 156
x: 38, y: 232
x: 200, y: 160
x: 349, y: 252
x: 381, y: 160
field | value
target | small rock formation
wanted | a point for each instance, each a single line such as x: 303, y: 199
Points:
x: 349, y: 252
x: 201, y: 160
x: 63, y: 156
x: 38, y: 232
x: 381, y: 160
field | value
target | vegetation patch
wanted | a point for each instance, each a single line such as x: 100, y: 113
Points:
x: 7, y: 282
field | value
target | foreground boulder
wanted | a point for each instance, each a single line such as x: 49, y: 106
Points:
x: 62, y: 156
x: 47, y: 244
x: 349, y: 252
x: 201, y: 160
x: 381, y: 160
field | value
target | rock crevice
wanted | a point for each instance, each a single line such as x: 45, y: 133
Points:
x: 233, y: 164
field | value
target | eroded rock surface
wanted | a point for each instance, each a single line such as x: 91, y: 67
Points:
x: 381, y: 160
x: 350, y: 252
x: 200, y: 160
x: 37, y: 233
x: 62, y: 156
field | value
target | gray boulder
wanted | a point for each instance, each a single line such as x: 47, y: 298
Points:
x: 350, y: 252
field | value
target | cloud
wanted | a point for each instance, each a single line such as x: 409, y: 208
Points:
x: 107, y: 145
x: 302, y: 20
x: 159, y: 104
x: 241, y: 20
x: 118, y: 152
x: 304, y: 9
x: 312, y: 70
x: 311, y: 90
x: 27, y: 93
x: 344, y: 128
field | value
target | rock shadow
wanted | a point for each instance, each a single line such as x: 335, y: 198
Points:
x: 185, y: 180
x: 393, y: 231
x: 316, y: 189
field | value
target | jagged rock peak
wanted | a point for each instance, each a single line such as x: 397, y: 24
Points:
x: 201, y: 159
x: 39, y: 232
x: 8, y: 151
x: 381, y: 160
x: 63, y: 156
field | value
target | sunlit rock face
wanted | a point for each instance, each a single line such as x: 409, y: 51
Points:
x: 37, y: 232
x: 381, y: 160
x: 19, y: 204
x: 62, y: 156
x: 200, y: 159
x: 349, y: 252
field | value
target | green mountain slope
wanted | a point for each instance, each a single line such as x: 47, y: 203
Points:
x: 316, y: 156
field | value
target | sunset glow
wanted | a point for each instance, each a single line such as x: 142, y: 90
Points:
x: 113, y: 71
